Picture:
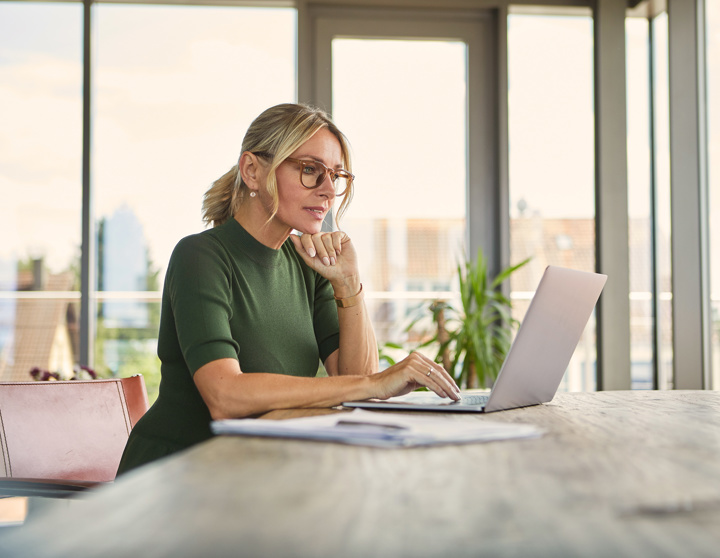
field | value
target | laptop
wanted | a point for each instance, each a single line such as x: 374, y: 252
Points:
x: 538, y: 357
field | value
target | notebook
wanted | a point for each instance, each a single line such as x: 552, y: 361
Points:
x: 538, y: 357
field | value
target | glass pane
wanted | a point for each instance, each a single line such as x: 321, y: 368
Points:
x: 172, y: 106
x: 407, y: 219
x: 552, y: 183
x: 40, y: 185
x: 661, y: 171
x: 712, y: 15
x: 640, y: 214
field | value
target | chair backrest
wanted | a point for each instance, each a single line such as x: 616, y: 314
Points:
x: 67, y: 430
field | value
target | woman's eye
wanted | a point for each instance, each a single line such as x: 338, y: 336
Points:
x: 309, y: 169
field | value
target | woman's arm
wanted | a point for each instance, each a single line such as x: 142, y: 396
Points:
x: 229, y: 393
x: 357, y: 354
x: 333, y: 256
x: 352, y: 369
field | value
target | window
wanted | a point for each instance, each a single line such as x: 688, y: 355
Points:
x: 40, y: 178
x: 407, y: 218
x: 171, y: 101
x: 170, y: 108
x: 551, y: 162
x: 640, y: 204
x: 413, y: 91
x: 173, y: 106
x: 661, y: 173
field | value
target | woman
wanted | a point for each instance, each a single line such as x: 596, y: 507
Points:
x: 246, y: 313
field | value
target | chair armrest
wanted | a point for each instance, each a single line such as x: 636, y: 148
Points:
x: 46, y: 488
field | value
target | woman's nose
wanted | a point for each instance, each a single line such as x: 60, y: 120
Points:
x: 327, y: 186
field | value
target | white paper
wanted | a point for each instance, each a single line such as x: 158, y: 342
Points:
x: 380, y: 429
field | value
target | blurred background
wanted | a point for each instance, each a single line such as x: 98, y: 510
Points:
x: 474, y: 125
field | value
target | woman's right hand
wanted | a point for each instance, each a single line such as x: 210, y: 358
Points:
x: 413, y: 372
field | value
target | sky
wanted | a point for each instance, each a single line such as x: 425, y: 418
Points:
x: 170, y: 110
x: 176, y: 87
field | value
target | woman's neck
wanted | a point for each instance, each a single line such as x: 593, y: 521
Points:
x: 255, y: 221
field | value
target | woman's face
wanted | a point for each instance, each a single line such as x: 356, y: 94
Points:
x: 300, y: 208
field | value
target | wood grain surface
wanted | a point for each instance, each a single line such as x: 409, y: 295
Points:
x: 616, y: 474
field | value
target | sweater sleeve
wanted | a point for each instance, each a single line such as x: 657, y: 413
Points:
x: 325, y: 318
x: 199, y: 278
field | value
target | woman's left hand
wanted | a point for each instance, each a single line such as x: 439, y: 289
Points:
x: 333, y: 256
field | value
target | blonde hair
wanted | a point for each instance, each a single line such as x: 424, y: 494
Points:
x: 275, y: 135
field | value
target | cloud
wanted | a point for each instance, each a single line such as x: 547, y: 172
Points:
x: 41, y: 105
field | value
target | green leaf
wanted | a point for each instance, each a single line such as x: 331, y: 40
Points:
x: 479, y: 329
x: 505, y: 274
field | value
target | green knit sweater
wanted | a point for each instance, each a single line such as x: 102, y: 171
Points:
x: 228, y: 296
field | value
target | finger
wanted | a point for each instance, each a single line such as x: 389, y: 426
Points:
x: 445, y: 377
x: 338, y: 237
x: 433, y: 385
x: 434, y: 376
x: 318, y: 247
x: 435, y: 380
x: 300, y: 249
x: 447, y: 380
x: 308, y: 245
x: 328, y: 244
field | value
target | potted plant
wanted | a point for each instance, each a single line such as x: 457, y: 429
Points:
x: 474, y: 338
x: 80, y: 372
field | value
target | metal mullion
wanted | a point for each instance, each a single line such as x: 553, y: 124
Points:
x: 704, y: 194
x: 687, y: 186
x: 611, y: 199
x: 87, y: 259
x: 653, y: 213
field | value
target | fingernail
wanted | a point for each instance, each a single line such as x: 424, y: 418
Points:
x: 312, y: 252
x: 326, y: 261
x: 332, y: 261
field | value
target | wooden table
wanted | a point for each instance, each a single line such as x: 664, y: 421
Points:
x: 616, y: 474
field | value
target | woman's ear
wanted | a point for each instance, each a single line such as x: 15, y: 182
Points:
x: 251, y: 170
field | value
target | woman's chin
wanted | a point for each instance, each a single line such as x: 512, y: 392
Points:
x: 312, y: 229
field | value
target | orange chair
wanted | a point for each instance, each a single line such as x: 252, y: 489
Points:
x: 58, y: 438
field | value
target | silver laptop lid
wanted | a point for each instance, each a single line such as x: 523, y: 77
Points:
x: 546, y: 339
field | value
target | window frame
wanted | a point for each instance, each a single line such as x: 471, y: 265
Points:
x: 490, y: 221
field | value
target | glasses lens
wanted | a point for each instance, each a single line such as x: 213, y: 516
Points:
x: 311, y: 174
x: 314, y: 174
x: 341, y: 185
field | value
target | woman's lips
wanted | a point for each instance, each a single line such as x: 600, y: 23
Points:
x: 317, y: 212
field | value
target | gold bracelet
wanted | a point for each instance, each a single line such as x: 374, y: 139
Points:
x: 351, y: 300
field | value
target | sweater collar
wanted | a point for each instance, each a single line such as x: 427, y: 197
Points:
x: 242, y: 241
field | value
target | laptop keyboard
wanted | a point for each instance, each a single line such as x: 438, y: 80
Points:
x: 474, y: 400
